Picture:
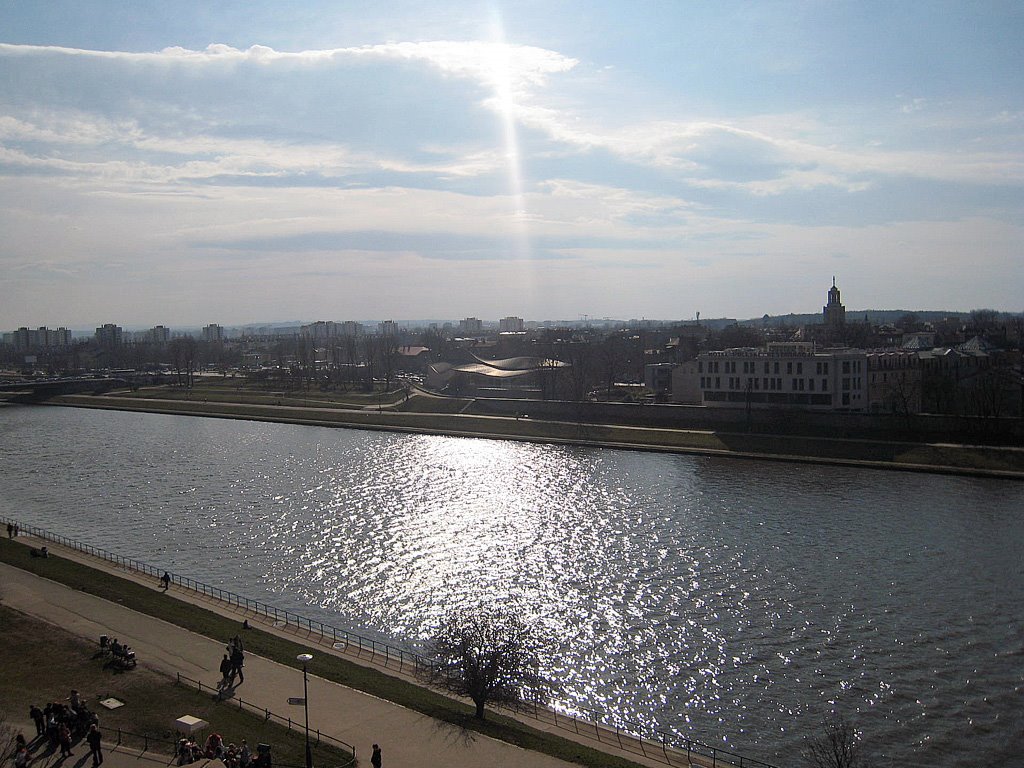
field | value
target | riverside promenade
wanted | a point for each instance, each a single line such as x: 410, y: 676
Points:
x: 408, y: 738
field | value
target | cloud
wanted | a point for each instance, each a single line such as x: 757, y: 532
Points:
x: 490, y: 63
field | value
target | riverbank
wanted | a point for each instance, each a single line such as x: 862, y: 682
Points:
x: 944, y: 458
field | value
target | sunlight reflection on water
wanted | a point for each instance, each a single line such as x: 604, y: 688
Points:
x: 732, y: 601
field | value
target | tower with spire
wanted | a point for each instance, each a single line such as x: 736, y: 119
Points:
x: 834, y: 312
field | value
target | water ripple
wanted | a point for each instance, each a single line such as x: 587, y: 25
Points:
x: 736, y: 602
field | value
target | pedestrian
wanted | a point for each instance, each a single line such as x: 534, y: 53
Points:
x: 244, y: 755
x: 21, y: 758
x: 227, y: 676
x: 38, y: 718
x: 375, y: 757
x: 237, y: 662
x: 16, y: 532
x: 93, y: 738
x: 10, y: 531
x: 166, y: 580
x: 64, y: 735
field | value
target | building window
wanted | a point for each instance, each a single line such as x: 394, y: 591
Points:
x: 718, y: 383
x: 846, y: 366
x: 792, y: 385
x: 846, y: 385
x: 801, y: 385
x: 846, y: 398
x: 776, y: 368
x: 826, y: 369
x: 789, y: 369
x: 799, y: 369
x: 824, y: 385
x: 810, y: 384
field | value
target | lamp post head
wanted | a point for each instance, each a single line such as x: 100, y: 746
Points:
x: 305, y: 658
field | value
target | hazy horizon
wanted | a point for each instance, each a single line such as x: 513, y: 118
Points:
x: 161, y: 163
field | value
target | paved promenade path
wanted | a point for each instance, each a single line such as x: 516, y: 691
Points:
x: 407, y: 738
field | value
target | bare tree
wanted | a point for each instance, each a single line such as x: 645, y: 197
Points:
x: 838, y: 746
x: 490, y: 657
x: 183, y: 353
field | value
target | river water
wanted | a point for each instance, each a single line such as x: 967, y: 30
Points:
x: 736, y: 602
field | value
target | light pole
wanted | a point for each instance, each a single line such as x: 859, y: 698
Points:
x: 305, y: 658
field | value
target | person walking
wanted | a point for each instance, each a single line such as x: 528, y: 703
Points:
x: 166, y: 580
x: 10, y: 530
x: 375, y: 757
x: 93, y: 738
x: 227, y: 674
x: 237, y: 662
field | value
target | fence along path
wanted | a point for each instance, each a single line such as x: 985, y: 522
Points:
x: 666, y: 748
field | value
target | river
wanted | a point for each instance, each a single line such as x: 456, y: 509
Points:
x: 732, y: 601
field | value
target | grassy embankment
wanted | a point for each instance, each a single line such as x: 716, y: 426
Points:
x: 433, y: 415
x: 204, y: 622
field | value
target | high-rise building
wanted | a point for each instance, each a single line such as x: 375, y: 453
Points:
x: 388, y: 328
x: 158, y: 334
x: 213, y: 332
x: 109, y: 335
x: 511, y: 325
x: 471, y: 325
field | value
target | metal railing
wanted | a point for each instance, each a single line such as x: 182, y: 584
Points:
x: 591, y: 723
x: 269, y: 716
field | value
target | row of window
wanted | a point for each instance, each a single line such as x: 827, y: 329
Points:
x: 753, y: 383
x: 773, y: 367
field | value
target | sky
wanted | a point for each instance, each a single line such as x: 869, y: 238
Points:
x: 181, y: 163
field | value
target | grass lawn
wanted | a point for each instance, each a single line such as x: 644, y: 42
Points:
x: 50, y: 662
x: 197, y: 619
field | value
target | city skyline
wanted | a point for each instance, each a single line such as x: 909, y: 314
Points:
x: 244, y: 161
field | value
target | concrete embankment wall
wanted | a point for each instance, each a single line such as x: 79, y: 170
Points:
x: 914, y: 428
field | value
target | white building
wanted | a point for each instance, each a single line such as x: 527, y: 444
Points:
x: 213, y: 332
x: 783, y: 375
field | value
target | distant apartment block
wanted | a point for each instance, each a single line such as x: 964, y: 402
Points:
x: 388, y: 328
x: 213, y: 332
x: 25, y: 339
x: 109, y: 335
x: 351, y: 328
x: 158, y: 334
x: 511, y: 325
x: 471, y: 326
x: 785, y: 374
x: 321, y: 331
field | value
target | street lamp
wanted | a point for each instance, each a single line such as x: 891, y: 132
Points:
x: 305, y: 658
